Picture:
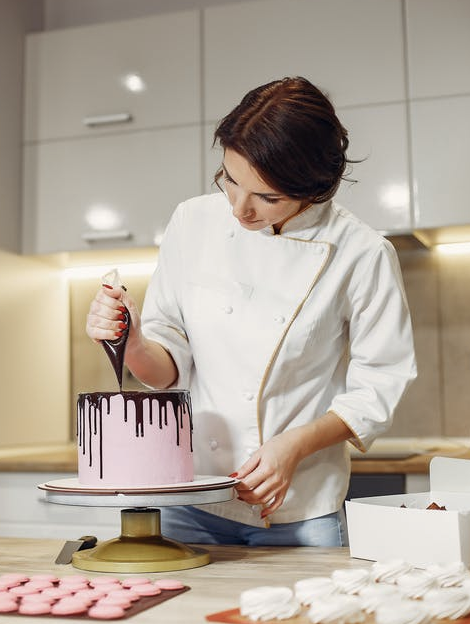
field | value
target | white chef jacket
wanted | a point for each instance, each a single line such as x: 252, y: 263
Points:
x: 270, y: 331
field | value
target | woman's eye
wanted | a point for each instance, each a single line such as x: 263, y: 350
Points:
x: 228, y: 180
x: 270, y: 200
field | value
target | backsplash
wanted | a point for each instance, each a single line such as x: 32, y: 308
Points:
x: 438, y: 289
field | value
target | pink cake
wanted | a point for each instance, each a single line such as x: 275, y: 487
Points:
x: 134, y: 439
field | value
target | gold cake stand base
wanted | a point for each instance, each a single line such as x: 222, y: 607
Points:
x: 140, y: 548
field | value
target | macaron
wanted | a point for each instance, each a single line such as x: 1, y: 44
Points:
x: 106, y: 612
x: 34, y: 608
x: 69, y: 606
x: 136, y: 580
x: 170, y: 584
x: 148, y: 589
x: 8, y: 606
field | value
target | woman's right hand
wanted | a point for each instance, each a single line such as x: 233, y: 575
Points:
x: 105, y: 316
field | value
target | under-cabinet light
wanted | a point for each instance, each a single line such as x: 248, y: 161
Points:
x: 97, y: 271
x: 453, y: 248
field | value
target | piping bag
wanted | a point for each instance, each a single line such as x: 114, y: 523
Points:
x: 116, y: 348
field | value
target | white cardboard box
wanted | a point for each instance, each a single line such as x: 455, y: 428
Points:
x: 381, y: 529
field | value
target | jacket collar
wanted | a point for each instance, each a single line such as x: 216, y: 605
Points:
x: 302, y: 225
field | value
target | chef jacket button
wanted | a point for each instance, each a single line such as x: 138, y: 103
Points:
x: 250, y: 451
x: 318, y: 249
x: 249, y: 396
x: 280, y: 319
x: 227, y: 309
x: 213, y: 444
x: 230, y: 233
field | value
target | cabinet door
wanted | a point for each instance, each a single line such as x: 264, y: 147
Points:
x: 88, y: 75
x: 353, y: 50
x: 110, y: 192
x: 381, y: 195
x: 438, y: 47
x: 440, y: 139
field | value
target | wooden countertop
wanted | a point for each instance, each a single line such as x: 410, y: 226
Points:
x: 214, y: 587
x: 63, y: 458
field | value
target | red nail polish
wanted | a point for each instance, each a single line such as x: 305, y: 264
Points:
x: 233, y: 475
x: 122, y: 308
x: 122, y: 325
x: 118, y: 334
x: 121, y: 317
x: 107, y: 286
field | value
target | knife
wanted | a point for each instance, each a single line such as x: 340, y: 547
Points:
x: 71, y: 546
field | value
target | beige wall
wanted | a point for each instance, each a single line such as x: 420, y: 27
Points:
x: 35, y: 353
x: 438, y: 403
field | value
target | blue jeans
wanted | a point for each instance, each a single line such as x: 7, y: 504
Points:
x: 193, y: 526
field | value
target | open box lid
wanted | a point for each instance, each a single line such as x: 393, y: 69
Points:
x: 448, y: 474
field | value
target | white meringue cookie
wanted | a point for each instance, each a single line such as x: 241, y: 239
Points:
x: 389, y: 571
x: 402, y: 611
x: 310, y: 589
x: 449, y: 575
x: 373, y: 595
x: 448, y: 602
x: 268, y: 603
x: 336, y: 609
x: 415, y: 584
x: 351, y: 580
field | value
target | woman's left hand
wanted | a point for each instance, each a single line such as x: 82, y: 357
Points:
x: 267, y: 475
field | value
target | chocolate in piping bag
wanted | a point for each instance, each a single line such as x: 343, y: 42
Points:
x: 115, y: 348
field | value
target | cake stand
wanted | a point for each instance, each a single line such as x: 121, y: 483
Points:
x: 140, y: 546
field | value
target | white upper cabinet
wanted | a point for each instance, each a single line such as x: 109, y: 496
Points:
x: 120, y: 76
x: 353, y: 50
x: 378, y: 190
x: 109, y: 192
x: 440, y: 140
x: 438, y: 47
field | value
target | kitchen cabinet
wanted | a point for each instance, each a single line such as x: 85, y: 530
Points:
x: 352, y: 50
x: 379, y: 192
x: 106, y: 161
x: 440, y: 135
x: 108, y: 192
x: 438, y: 47
x: 80, y: 80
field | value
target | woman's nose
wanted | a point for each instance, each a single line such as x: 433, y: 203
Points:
x: 241, y: 206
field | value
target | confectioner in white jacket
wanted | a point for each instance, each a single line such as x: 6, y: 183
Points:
x: 270, y: 331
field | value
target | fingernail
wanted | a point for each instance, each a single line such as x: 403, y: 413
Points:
x: 121, y: 317
x: 234, y: 474
x: 118, y: 334
x: 122, y: 308
x: 107, y: 286
x: 122, y: 325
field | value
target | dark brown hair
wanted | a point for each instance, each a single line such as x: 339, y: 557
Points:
x: 289, y: 132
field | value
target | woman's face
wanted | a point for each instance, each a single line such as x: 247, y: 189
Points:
x: 254, y: 203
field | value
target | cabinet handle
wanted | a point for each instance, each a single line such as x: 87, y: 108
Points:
x: 102, y: 120
x: 91, y: 237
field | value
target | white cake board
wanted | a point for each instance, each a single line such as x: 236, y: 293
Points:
x: 204, y: 489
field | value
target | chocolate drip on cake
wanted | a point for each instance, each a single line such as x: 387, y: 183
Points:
x: 90, y: 421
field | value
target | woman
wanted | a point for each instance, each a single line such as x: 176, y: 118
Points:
x: 284, y: 315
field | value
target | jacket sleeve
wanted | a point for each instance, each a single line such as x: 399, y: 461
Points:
x: 382, y: 360
x: 162, y: 318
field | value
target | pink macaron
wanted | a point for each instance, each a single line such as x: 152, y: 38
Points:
x: 69, y: 606
x: 148, y: 589
x: 8, y: 606
x: 57, y: 592
x: 169, y: 583
x: 34, y: 608
x: 135, y: 580
x: 106, y: 612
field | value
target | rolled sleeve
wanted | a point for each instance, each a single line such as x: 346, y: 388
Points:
x: 382, y: 361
